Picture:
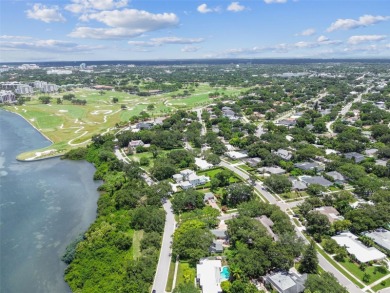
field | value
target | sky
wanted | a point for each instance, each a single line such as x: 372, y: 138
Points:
x: 82, y: 30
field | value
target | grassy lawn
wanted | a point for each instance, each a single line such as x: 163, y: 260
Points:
x: 370, y: 270
x: 246, y: 167
x: 185, y: 273
x: 137, y: 237
x: 337, y: 266
x: 171, y: 276
x: 382, y: 285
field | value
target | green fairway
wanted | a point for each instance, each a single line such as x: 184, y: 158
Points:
x: 68, y: 125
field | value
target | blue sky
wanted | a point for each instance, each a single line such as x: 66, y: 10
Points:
x: 184, y: 29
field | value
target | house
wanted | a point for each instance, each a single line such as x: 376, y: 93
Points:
x: 290, y: 122
x: 297, y: 185
x: 284, y: 154
x: 202, y: 164
x: 208, y: 196
x: 272, y: 170
x: 308, y: 166
x: 355, y: 156
x: 196, y: 180
x: 330, y: 212
x: 135, y: 143
x: 381, y: 237
x: 236, y: 155
x: 219, y: 234
x: 252, y: 161
x: 189, y: 179
x: 371, y: 152
x: 381, y: 163
x: 178, y: 178
x: 216, y: 247
x: 144, y: 125
x: 267, y: 223
x: 208, y: 275
x: 315, y: 180
x: 285, y: 282
x: 337, y: 177
x: 186, y: 185
x: 362, y: 253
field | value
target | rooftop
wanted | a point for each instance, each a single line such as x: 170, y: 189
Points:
x: 380, y: 237
x: 362, y: 253
x: 316, y: 180
x: 208, y: 273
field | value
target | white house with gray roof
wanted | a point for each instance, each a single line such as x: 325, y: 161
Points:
x: 208, y: 275
x: 284, y: 282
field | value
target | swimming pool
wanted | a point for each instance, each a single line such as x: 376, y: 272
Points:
x: 225, y: 274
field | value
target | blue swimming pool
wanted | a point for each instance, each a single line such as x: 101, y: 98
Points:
x: 225, y: 274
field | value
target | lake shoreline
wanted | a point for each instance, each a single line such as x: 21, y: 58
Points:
x: 44, y: 205
x: 33, y: 159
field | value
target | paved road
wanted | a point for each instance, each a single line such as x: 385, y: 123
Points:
x: 204, y: 130
x: 161, y: 277
x: 164, y: 261
x: 326, y: 265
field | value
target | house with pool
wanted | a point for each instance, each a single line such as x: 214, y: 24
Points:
x: 210, y: 274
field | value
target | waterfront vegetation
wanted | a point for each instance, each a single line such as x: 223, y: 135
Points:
x: 120, y: 250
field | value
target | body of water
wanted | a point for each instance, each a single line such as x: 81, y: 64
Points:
x: 44, y: 205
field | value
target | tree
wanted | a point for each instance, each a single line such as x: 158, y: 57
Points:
x: 341, y: 225
x: 187, y: 200
x: 115, y: 100
x: 150, y: 107
x: 330, y: 245
x: 45, y: 99
x: 309, y: 263
x: 59, y: 101
x: 192, y: 240
x: 237, y: 193
x: 278, y: 183
x: 317, y: 223
x: 324, y: 283
x: 213, y: 159
x: 315, y: 189
x: 144, y: 161
x: 163, y: 169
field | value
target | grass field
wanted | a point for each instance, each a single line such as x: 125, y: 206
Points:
x: 69, y: 126
x: 185, y: 274
x: 137, y: 237
x: 171, y: 276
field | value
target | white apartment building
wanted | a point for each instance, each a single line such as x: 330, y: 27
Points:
x: 7, y: 97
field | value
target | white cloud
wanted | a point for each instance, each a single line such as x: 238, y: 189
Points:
x: 155, y: 42
x: 307, y: 32
x: 176, y: 40
x: 322, y: 39
x: 203, y: 8
x: 189, y: 49
x: 83, y: 6
x: 46, y: 46
x: 45, y: 13
x: 305, y: 45
x: 8, y: 37
x: 125, y: 23
x: 275, y: 1
x: 235, y: 7
x: 365, y: 38
x: 363, y: 21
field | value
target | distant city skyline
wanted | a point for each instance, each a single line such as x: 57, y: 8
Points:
x: 157, y: 30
